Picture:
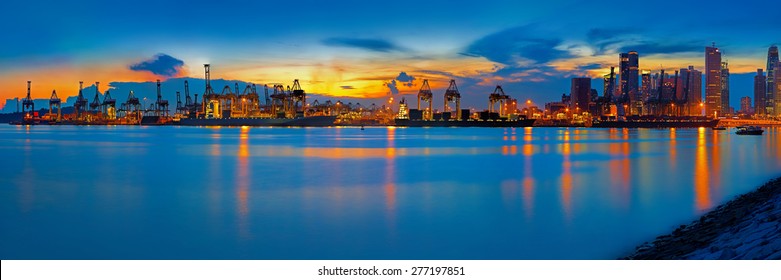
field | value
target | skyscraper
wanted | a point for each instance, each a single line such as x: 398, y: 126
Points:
x: 608, y: 84
x: 645, y: 91
x: 725, y: 108
x: 745, y: 105
x: 777, y: 78
x: 580, y: 91
x: 760, y: 91
x: 629, y: 66
x: 770, y: 96
x: 692, y: 78
x: 712, y: 81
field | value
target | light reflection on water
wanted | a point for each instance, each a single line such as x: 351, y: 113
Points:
x: 380, y: 193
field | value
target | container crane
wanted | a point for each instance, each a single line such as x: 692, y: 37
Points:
x: 28, y: 102
x: 81, y: 102
x: 109, y: 106
x: 95, y: 104
x: 298, y: 95
x: 425, y: 95
x: 55, y: 101
x: 498, y: 96
x: 161, y: 105
x: 452, y: 95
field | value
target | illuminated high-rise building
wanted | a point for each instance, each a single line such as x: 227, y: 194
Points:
x: 691, y: 79
x: 608, y: 85
x: 745, y: 105
x: 629, y: 66
x: 713, y: 81
x: 645, y: 90
x: 760, y: 84
x: 771, y: 102
x: 777, y: 83
x: 725, y: 108
x: 580, y: 93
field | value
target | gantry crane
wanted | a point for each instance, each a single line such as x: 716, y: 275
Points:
x: 498, y: 96
x: 179, y: 106
x: 55, y: 101
x: 81, y: 102
x: 189, y: 105
x: 95, y: 104
x: 425, y: 95
x: 28, y: 102
x: 211, y: 100
x: 227, y: 98
x: 250, y: 101
x: 133, y: 110
x: 161, y: 105
x: 109, y: 106
x: 298, y: 95
x: 452, y: 95
x: 278, y: 100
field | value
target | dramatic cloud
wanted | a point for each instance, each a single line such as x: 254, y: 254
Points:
x: 392, y: 86
x: 405, y: 79
x: 377, y: 45
x: 347, y: 87
x: 646, y: 48
x: 591, y: 66
x: 161, y: 64
x: 612, y: 40
x: 601, y: 34
x: 518, y: 46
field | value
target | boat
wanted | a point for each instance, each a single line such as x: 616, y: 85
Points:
x: 719, y: 128
x: 749, y: 130
x: 312, y: 121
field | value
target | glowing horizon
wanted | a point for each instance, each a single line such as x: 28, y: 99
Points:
x: 531, y: 50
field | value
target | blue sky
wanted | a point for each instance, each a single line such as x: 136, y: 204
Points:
x: 359, y: 48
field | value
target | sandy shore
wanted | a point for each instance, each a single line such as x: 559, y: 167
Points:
x: 746, y: 228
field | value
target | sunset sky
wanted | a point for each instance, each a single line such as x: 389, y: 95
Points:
x: 373, y: 49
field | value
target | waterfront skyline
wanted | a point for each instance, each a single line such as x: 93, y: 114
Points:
x: 531, y: 50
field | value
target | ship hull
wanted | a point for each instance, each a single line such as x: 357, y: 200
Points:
x: 463, y: 123
x: 656, y: 124
x: 316, y: 121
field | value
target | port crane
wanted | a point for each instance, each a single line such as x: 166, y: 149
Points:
x: 425, y: 95
x: 133, y: 106
x: 179, y: 107
x: 161, y: 105
x: 211, y: 100
x: 278, y: 100
x: 250, y: 101
x: 452, y: 95
x: 55, y: 101
x: 498, y: 96
x: 109, y: 106
x: 298, y: 96
x: 28, y: 102
x: 81, y: 102
x: 95, y: 104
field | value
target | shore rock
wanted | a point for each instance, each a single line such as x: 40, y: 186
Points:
x: 745, y: 228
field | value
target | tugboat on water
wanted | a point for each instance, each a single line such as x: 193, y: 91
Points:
x: 749, y: 130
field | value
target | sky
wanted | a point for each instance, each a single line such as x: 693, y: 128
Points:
x: 370, y: 50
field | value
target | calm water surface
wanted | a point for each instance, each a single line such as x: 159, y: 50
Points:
x: 97, y: 192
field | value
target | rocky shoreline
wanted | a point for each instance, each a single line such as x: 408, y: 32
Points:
x: 746, y: 228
